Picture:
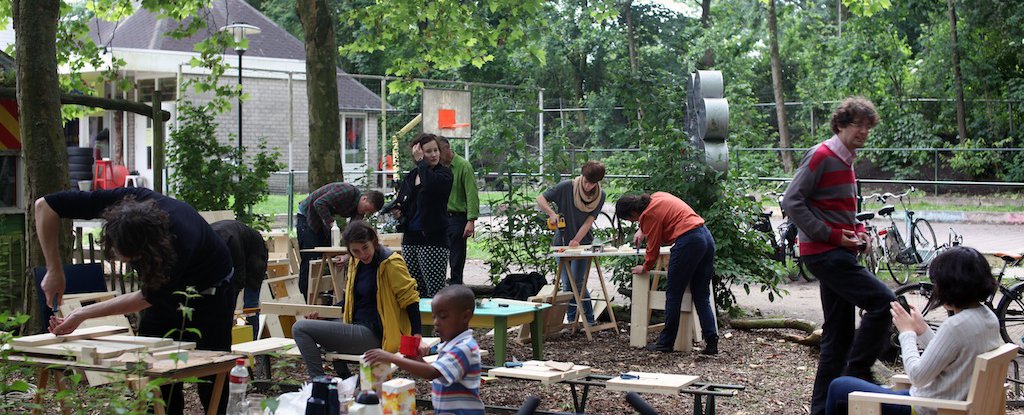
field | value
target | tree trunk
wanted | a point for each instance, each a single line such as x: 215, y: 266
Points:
x: 705, y: 21
x: 630, y: 37
x: 780, y: 99
x: 958, y: 84
x: 322, y: 89
x: 38, y: 92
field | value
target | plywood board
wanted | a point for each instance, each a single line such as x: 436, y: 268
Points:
x: 651, y: 383
x: 77, y: 348
x: 325, y: 311
x: 83, y: 333
x: 145, y: 341
x: 263, y: 346
x: 540, y: 371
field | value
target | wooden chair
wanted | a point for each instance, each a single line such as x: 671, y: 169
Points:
x: 987, y: 395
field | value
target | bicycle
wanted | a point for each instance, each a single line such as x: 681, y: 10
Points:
x: 786, y: 243
x: 870, y: 257
x: 900, y: 259
x: 1009, y: 310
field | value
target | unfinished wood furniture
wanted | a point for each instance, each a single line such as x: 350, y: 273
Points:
x: 500, y: 315
x: 646, y: 382
x: 280, y: 316
x: 107, y: 349
x: 545, y: 372
x: 987, y: 394
x: 646, y: 297
x: 553, y: 317
x: 565, y: 256
x: 316, y: 270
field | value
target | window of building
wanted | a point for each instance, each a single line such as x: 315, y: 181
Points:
x: 353, y: 141
x: 168, y: 89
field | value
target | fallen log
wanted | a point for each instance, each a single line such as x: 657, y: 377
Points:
x: 813, y: 337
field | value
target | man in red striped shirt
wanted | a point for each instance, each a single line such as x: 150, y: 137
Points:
x: 822, y: 201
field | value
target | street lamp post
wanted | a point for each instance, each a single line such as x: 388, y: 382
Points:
x: 240, y: 31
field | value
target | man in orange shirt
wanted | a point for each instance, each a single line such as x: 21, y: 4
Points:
x: 666, y: 219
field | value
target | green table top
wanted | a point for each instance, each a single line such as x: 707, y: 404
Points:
x: 492, y: 308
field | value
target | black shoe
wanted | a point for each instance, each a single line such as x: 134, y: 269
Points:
x: 655, y: 347
x: 710, y: 346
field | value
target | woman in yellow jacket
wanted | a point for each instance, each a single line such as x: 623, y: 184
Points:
x: 381, y: 305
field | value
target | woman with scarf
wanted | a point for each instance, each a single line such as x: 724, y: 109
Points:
x: 579, y: 201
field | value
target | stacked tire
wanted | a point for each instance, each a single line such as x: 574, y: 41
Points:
x: 80, y: 161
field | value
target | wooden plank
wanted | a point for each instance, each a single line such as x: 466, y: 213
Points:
x: 287, y: 309
x: 278, y: 270
x: 541, y: 371
x: 663, y: 383
x: 82, y: 333
x: 80, y: 349
x: 263, y: 346
x: 145, y: 341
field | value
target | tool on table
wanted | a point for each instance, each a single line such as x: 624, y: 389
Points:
x: 627, y: 376
x: 561, y: 223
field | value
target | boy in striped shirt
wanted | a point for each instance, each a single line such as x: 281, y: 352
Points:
x: 455, y: 388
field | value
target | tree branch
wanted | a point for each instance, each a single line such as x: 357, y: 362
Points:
x: 97, y: 102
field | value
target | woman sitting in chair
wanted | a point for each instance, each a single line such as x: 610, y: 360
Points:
x: 963, y: 280
x: 381, y: 305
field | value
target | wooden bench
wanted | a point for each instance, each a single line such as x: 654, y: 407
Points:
x: 987, y: 394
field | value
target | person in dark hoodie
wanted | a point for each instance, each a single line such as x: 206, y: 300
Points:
x: 423, y: 214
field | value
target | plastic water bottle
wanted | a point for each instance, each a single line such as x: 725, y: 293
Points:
x: 238, y: 382
x: 335, y: 234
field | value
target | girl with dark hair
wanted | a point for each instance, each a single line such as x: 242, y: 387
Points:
x: 170, y: 246
x: 423, y: 215
x: 381, y: 304
x: 666, y: 219
x: 963, y: 280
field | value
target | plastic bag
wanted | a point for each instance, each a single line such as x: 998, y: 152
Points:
x: 294, y: 403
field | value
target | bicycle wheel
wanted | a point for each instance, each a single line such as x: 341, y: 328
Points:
x: 804, y: 273
x: 899, y: 272
x: 1011, y: 314
x: 919, y: 295
x: 876, y: 254
x: 923, y: 240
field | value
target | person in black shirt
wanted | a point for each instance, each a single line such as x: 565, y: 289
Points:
x: 423, y: 214
x: 170, y: 246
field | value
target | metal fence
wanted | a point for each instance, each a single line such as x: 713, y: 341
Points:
x: 935, y: 180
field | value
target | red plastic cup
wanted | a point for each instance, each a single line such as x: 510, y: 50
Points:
x: 410, y: 346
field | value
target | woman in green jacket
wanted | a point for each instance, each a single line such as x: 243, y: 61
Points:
x: 381, y: 305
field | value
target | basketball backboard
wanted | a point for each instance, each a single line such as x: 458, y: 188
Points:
x: 446, y: 112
